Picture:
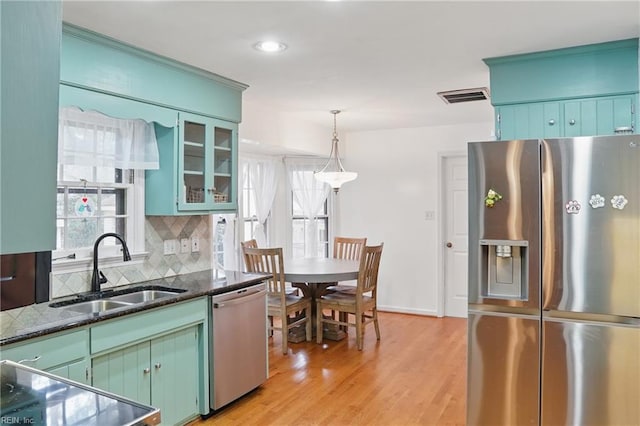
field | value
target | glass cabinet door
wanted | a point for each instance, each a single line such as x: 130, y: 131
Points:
x: 193, y: 155
x: 223, y: 164
x: 208, y: 158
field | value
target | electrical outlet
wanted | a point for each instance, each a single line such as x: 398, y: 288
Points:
x: 195, y: 244
x: 429, y: 215
x: 169, y: 247
x: 184, y: 245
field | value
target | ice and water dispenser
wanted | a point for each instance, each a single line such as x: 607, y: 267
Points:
x: 504, y: 264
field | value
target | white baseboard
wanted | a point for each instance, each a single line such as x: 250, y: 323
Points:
x: 413, y: 311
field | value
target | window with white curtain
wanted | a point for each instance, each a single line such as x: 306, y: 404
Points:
x: 249, y: 209
x: 259, y: 187
x: 300, y: 230
x: 101, y: 181
x: 310, y: 209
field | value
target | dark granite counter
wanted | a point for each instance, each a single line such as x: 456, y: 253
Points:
x: 41, y: 319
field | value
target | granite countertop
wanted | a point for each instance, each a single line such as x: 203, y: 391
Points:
x: 41, y: 319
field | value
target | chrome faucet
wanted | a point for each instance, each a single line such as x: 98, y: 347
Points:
x: 98, y: 277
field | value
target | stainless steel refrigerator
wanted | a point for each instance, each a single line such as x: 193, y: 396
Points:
x: 554, y: 282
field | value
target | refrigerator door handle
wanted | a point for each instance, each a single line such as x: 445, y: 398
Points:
x: 591, y: 318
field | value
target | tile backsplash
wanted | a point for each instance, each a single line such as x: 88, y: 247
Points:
x: 156, y: 264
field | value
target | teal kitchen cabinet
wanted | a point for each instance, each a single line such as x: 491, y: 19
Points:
x: 577, y: 91
x: 65, y: 354
x: 158, y: 372
x: 601, y: 116
x: 528, y: 121
x: 198, y: 168
x: 30, y: 35
x: 607, y: 115
x: 198, y: 150
x: 157, y: 357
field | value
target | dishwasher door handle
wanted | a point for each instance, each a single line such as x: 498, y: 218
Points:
x: 239, y: 300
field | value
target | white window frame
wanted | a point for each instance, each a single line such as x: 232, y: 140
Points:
x: 134, y: 229
x: 247, y: 187
x: 290, y: 217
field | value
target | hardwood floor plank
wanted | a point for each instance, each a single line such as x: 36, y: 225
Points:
x: 415, y: 375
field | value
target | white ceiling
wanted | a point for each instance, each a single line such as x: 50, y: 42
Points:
x: 380, y: 62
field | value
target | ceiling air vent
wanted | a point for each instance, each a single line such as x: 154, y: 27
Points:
x: 464, y: 95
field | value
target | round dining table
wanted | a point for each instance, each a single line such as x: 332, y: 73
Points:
x: 312, y: 275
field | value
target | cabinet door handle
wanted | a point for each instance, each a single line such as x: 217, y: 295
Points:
x: 552, y: 122
x: 146, y: 370
x: 623, y: 129
x: 158, y: 366
x: 30, y: 360
x: 572, y: 122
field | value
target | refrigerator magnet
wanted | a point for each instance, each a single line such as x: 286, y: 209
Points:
x: 573, y: 207
x: 597, y: 201
x: 618, y: 202
x: 492, y: 198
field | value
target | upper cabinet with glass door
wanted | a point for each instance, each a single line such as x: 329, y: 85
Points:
x: 198, y: 168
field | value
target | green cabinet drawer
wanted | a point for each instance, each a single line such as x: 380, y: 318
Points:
x: 138, y: 327
x: 51, y: 351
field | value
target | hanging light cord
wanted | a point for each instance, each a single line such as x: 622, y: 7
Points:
x: 334, y: 146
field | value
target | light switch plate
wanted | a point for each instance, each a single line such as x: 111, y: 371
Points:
x: 184, y: 245
x: 195, y: 244
x: 170, y: 247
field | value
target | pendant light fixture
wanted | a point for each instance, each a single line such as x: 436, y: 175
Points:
x: 333, y: 172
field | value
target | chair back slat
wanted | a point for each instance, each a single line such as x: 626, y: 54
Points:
x: 368, y: 272
x: 269, y: 261
x: 348, y: 248
x: 247, y: 244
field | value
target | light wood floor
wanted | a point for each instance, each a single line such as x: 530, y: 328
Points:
x: 415, y: 375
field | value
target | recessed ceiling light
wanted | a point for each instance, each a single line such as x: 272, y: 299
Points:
x: 270, y: 46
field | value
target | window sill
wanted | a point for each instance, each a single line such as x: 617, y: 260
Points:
x: 65, y: 266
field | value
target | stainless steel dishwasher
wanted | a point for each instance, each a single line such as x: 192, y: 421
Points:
x: 239, y: 344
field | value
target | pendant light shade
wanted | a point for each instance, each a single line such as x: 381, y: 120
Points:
x: 333, y: 172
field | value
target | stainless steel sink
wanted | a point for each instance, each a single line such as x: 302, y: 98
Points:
x: 105, y: 301
x: 96, y: 306
x: 143, y: 296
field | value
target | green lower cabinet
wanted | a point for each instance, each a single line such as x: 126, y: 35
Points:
x: 76, y: 371
x: 162, y: 372
x: 64, y: 354
x: 126, y: 372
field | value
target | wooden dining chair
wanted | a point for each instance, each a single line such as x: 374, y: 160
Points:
x: 247, y: 244
x: 346, y: 248
x: 254, y: 244
x: 289, y: 308
x: 362, y: 305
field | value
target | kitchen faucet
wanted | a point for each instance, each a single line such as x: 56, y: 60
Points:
x: 98, y: 277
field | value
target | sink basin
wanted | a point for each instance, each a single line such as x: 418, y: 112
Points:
x: 107, y: 300
x: 143, y: 296
x: 96, y: 306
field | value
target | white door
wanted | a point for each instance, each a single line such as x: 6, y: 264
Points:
x: 455, y: 236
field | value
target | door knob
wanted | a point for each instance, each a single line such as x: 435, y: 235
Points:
x: 146, y: 370
x: 449, y: 245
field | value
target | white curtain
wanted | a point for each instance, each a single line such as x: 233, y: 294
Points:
x: 89, y: 138
x: 264, y: 180
x: 310, y: 194
x: 263, y: 173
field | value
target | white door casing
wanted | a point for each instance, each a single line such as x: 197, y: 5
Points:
x: 455, y: 235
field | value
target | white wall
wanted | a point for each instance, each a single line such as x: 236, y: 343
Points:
x: 283, y: 131
x: 397, y: 182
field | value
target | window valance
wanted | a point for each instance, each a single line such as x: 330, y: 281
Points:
x: 89, y: 138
